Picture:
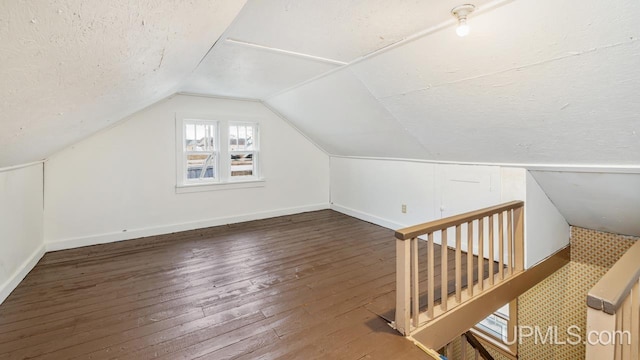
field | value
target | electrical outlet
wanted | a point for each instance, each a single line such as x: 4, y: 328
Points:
x: 404, y: 208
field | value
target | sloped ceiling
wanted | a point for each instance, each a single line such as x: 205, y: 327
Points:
x: 69, y: 68
x: 536, y: 83
x: 603, y: 201
x: 288, y: 42
x: 340, y: 114
x: 248, y: 72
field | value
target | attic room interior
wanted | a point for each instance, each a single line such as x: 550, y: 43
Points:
x: 277, y: 179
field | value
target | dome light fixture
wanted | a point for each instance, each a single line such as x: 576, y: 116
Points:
x: 461, y: 12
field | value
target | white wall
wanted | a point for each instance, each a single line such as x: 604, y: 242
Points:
x: 21, y: 241
x: 547, y: 230
x: 120, y: 183
x: 375, y: 189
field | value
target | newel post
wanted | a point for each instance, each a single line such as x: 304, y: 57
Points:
x: 403, y: 286
x: 600, y: 322
x: 518, y: 232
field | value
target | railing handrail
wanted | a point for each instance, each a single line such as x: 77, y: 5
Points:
x: 613, y: 288
x: 436, y: 225
x: 505, y: 239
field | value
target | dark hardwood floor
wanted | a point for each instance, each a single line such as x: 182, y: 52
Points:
x: 296, y: 287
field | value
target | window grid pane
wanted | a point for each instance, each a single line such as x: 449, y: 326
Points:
x: 241, y: 137
x: 242, y: 150
x: 242, y: 163
x: 200, y: 150
x: 496, y: 326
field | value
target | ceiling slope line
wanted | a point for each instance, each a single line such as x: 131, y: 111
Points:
x: 515, y: 68
x: 406, y: 40
x: 181, y: 83
x: 584, y: 168
x: 20, y: 166
x: 223, y: 97
x: 428, y: 31
x: 113, y: 124
x: 285, y: 52
x: 288, y: 122
x: 409, y: 133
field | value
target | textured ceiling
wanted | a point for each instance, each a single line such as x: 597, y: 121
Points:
x: 601, y: 201
x: 72, y: 67
x: 294, y: 41
x: 536, y: 82
x: 246, y: 72
x: 337, y: 29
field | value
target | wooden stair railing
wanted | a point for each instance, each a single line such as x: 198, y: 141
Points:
x: 480, y: 350
x: 613, y: 311
x: 466, y: 338
x: 500, y: 228
x: 443, y: 330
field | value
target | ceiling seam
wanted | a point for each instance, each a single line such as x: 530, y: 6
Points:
x: 222, y: 36
x: 594, y: 168
x: 112, y: 125
x: 515, y: 68
x: 20, y: 166
x: 411, y: 135
x: 284, y: 51
x: 288, y: 122
x: 223, y: 97
x: 405, y: 40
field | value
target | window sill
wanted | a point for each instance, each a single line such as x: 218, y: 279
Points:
x: 230, y: 185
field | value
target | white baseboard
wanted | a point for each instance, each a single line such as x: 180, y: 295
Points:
x: 368, y: 217
x: 21, y: 273
x: 55, y: 245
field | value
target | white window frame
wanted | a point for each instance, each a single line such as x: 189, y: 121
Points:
x: 184, y: 153
x: 255, y: 152
x: 508, y: 313
x: 222, y: 165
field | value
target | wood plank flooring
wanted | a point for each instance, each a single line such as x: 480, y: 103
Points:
x: 305, y: 286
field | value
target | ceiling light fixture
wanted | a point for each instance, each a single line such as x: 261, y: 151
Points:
x: 461, y: 12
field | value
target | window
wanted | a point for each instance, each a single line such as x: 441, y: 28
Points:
x: 496, y: 325
x: 200, y: 150
x: 498, y: 329
x: 243, y: 149
x: 216, y: 152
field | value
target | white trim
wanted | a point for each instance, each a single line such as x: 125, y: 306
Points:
x: 588, y: 168
x: 285, y: 52
x: 21, y: 273
x: 16, y: 167
x: 182, y: 154
x: 256, y: 173
x: 220, y: 97
x: 229, y: 185
x: 222, y: 164
x: 428, y: 31
x: 368, y: 217
x: 167, y: 229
